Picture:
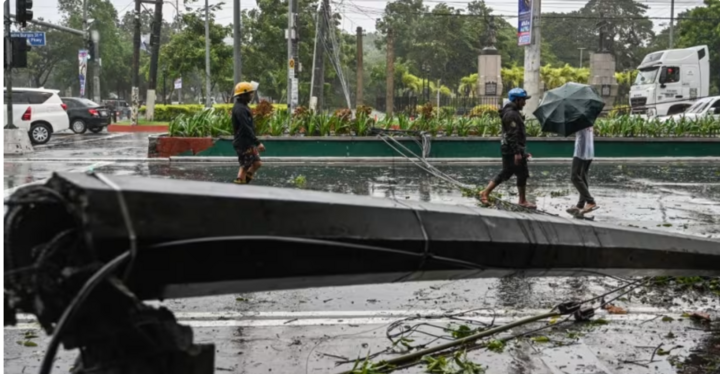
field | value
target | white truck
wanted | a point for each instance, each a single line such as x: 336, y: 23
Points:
x: 670, y: 81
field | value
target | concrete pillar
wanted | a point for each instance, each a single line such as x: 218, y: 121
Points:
x: 489, y: 75
x: 16, y: 142
x: 602, y: 77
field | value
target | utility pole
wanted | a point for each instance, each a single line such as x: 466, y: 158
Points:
x: 390, y: 73
x: 207, y: 55
x: 237, y: 42
x: 532, y: 62
x: 318, y: 83
x: 359, y: 96
x: 672, y: 22
x: 581, y: 56
x: 155, y: 55
x: 135, y: 94
x: 292, y: 84
x: 86, y: 40
x: 8, y: 68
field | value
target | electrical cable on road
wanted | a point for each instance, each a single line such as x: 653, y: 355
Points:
x: 74, y: 306
x: 570, y: 309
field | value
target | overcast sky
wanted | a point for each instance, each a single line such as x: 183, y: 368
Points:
x: 363, y: 13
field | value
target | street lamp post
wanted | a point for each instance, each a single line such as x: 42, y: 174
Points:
x: 426, y: 82
x: 164, y: 70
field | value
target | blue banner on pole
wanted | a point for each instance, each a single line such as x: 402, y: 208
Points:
x: 34, y: 38
x: 525, y: 21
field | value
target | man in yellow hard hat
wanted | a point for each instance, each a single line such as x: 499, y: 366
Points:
x: 245, y: 142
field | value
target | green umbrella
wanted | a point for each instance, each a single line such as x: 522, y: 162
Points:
x: 568, y: 109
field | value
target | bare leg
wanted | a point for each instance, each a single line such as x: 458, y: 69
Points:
x: 485, y: 194
x: 523, y: 199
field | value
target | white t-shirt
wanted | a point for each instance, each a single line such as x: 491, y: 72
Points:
x: 585, y: 144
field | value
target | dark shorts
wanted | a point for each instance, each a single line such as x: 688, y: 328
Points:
x: 248, y: 157
x: 521, y: 171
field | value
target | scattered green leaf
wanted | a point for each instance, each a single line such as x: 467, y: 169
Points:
x: 241, y: 299
x: 29, y: 343
x: 300, y: 181
x: 460, y: 332
x: 667, y: 319
x: 497, y: 346
x: 541, y: 339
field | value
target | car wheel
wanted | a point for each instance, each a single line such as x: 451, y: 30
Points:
x: 96, y: 130
x: 40, y: 133
x: 78, y: 126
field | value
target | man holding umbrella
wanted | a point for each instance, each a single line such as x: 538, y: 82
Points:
x: 514, y: 158
x: 569, y: 109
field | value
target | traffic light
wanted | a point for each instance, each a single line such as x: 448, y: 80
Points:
x: 23, y: 8
x: 90, y: 45
x: 20, y: 48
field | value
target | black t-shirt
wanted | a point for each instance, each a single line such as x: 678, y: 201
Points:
x: 243, y: 127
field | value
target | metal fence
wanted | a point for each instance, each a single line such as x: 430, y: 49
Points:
x: 462, y: 105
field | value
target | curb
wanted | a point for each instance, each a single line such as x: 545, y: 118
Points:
x: 456, y: 161
x: 368, y: 160
x: 139, y: 128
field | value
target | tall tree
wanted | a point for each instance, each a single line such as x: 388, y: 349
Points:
x: 701, y: 26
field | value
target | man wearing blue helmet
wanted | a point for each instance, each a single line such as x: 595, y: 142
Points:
x: 514, y: 157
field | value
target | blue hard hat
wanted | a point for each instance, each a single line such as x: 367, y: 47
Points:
x: 518, y: 93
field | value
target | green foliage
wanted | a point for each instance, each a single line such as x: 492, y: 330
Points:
x: 700, y: 26
x: 485, y: 110
x: 169, y: 112
x: 458, y: 363
x: 209, y: 122
x: 216, y: 122
x: 367, y: 367
x: 497, y: 346
x: 459, y: 332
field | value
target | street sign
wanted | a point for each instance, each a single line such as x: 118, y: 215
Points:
x: 34, y: 38
x: 525, y: 21
x: 178, y: 83
x: 291, y: 64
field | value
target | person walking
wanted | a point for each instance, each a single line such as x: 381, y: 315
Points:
x: 514, y: 157
x: 245, y: 142
x: 582, y: 158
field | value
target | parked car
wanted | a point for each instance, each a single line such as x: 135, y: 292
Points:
x: 86, y: 115
x: 39, y: 111
x: 709, y: 106
x: 121, y: 107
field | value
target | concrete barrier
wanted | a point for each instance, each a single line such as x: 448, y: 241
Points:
x: 440, y: 148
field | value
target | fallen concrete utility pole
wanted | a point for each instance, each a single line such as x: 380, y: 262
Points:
x: 283, y: 247
x: 136, y: 239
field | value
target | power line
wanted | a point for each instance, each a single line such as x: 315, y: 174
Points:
x: 563, y: 17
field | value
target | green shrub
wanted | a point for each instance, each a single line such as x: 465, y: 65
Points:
x: 166, y: 113
x: 208, y: 122
x: 485, y: 110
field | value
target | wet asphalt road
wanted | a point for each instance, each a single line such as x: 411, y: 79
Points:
x: 308, y: 330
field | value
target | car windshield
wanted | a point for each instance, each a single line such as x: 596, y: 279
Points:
x: 698, y: 107
x: 646, y: 76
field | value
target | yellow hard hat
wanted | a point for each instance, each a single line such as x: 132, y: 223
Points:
x: 245, y: 87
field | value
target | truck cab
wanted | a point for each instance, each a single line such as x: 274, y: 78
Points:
x: 670, y: 81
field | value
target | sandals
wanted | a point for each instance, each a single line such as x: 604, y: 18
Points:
x: 528, y: 205
x: 484, y: 200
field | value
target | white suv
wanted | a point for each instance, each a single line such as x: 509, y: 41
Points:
x: 39, y: 111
